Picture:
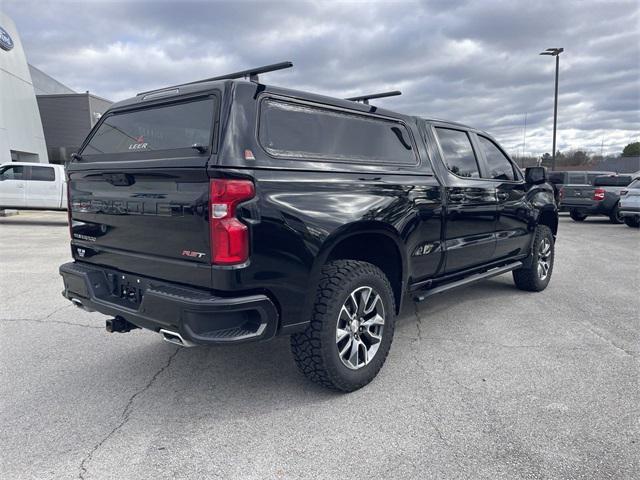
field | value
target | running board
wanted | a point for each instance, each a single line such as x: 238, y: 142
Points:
x: 470, y: 279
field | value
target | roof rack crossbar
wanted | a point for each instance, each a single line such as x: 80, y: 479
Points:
x: 365, y: 98
x: 251, y: 74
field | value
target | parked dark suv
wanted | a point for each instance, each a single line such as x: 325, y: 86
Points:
x: 228, y: 211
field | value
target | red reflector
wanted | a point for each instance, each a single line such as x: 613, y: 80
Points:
x: 248, y: 155
x: 598, y: 194
x: 229, y: 236
x: 561, y: 193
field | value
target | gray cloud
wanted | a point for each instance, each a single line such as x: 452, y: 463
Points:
x: 475, y: 62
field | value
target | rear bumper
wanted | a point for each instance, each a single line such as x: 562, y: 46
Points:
x: 197, y: 315
x: 588, y: 208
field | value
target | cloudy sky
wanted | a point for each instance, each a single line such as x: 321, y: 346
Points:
x: 471, y: 61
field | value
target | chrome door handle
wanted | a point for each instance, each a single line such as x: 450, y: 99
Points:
x: 456, y: 196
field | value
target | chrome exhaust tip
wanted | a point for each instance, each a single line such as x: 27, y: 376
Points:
x: 175, y: 338
x: 79, y: 304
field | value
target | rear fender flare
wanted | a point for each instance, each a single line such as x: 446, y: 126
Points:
x: 350, y: 230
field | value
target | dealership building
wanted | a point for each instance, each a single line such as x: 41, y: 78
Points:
x: 41, y: 119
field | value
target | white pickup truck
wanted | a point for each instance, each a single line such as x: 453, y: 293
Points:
x: 37, y: 186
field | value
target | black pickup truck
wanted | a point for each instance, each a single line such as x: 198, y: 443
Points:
x: 227, y: 211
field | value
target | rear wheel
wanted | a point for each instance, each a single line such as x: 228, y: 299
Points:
x: 616, y: 217
x: 351, y: 328
x: 577, y: 215
x: 536, y: 276
x: 633, y: 222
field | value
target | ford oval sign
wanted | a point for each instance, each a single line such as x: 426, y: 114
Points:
x: 5, y: 40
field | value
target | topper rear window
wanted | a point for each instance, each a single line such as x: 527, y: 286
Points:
x: 164, y: 127
x: 299, y: 131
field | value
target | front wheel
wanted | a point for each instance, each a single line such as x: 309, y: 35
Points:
x: 351, y: 327
x: 577, y: 215
x: 536, y: 276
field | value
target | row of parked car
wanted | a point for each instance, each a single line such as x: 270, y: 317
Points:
x: 587, y: 193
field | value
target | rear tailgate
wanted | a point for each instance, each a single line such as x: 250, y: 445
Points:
x: 139, y: 196
x: 577, y: 196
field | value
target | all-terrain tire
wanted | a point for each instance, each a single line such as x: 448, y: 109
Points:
x: 530, y: 278
x: 576, y: 215
x: 316, y: 351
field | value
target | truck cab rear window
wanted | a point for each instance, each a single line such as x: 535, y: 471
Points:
x: 459, y: 156
x: 167, y: 127
x: 299, y: 131
x: 43, y: 174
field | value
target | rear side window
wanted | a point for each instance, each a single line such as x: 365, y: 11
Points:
x: 577, y: 178
x: 556, y: 177
x: 498, y: 164
x: 592, y: 176
x: 43, y: 174
x: 15, y: 172
x: 166, y: 127
x: 458, y: 152
x: 292, y: 130
x: 635, y: 184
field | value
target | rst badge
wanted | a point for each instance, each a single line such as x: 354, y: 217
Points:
x: 192, y: 254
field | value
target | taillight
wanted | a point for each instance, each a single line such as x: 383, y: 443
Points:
x: 229, y: 236
x: 561, y: 193
x: 598, y: 194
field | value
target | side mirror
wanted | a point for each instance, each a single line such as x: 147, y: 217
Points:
x: 535, y: 175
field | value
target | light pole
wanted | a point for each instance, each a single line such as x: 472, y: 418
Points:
x: 555, y: 52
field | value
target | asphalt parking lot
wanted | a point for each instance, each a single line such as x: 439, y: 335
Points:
x: 483, y: 382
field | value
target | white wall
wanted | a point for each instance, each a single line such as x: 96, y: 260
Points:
x: 20, y: 125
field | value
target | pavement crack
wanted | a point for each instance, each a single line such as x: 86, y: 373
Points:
x: 46, y: 319
x: 439, y: 432
x: 124, y: 416
x: 64, y: 307
x: 607, y: 340
x: 41, y: 320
